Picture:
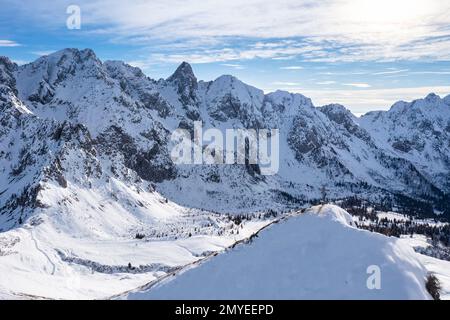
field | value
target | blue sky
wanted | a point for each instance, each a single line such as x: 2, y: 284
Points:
x: 364, y: 54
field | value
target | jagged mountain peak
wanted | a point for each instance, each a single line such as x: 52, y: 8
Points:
x: 432, y: 97
x: 184, y: 74
x: 49, y: 65
x: 447, y: 100
x: 72, y: 55
x: 339, y: 114
x: 65, y: 58
x: 117, y: 68
x: 226, y: 78
x: 185, y: 82
x: 85, y: 53
x: 335, y: 109
x: 38, y: 80
x: 6, y: 63
x: 230, y: 84
x: 281, y: 96
x: 429, y: 106
x: 7, y: 67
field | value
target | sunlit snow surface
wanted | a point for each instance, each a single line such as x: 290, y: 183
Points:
x: 317, y: 255
x: 84, y: 254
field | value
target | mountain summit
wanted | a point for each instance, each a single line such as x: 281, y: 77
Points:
x: 183, y: 73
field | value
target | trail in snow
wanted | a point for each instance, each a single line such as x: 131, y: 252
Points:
x: 43, y: 252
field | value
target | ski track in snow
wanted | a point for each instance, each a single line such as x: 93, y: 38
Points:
x: 43, y: 252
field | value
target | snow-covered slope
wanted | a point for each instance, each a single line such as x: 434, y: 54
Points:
x: 317, y: 255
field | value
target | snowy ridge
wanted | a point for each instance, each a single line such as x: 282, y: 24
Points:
x: 333, y: 213
x: 317, y: 255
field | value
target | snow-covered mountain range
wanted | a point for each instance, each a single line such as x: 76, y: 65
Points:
x: 69, y: 119
x: 85, y: 164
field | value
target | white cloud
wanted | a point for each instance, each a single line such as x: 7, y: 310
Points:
x: 8, y: 43
x: 282, y: 83
x: 234, y: 66
x: 390, y: 72
x: 20, y: 62
x: 357, y: 85
x: 431, y: 72
x: 292, y: 68
x: 284, y: 58
x: 250, y: 51
x: 141, y: 64
x: 42, y: 53
x: 325, y: 83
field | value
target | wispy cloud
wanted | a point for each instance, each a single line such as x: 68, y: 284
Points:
x: 20, y: 62
x: 8, y: 43
x: 283, y: 83
x: 234, y: 66
x: 42, y: 53
x: 230, y: 53
x: 284, y: 58
x: 431, y: 72
x: 141, y: 64
x: 390, y: 72
x: 357, y: 85
x: 325, y: 83
x: 292, y: 68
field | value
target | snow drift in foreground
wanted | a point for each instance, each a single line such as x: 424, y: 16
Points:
x: 318, y: 255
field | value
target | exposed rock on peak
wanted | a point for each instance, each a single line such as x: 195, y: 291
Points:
x: 336, y: 110
x: 343, y: 117
x: 447, y: 99
x: 7, y: 67
x: 432, y: 97
x: 184, y: 75
x: 38, y: 80
x: 120, y: 69
x: 7, y: 64
x: 186, y: 85
x: 77, y: 54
